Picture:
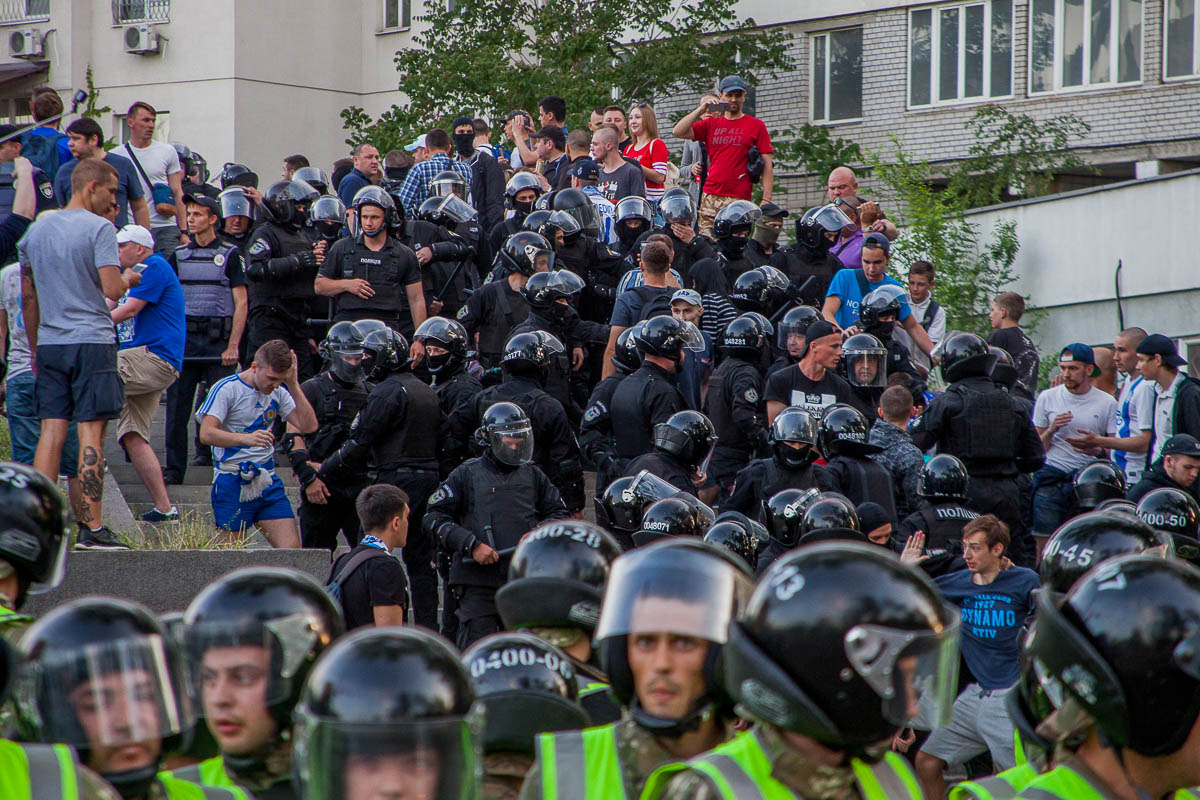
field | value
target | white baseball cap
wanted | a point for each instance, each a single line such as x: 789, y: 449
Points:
x: 419, y: 142
x: 136, y: 234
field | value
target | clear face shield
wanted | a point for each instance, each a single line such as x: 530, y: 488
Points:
x: 456, y: 210
x: 512, y: 444
x: 866, y: 368
x: 831, y: 218
x: 678, y: 210
x: 565, y: 282
x: 691, y: 337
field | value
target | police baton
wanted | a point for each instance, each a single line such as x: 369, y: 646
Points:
x: 450, y: 281
x: 793, y: 295
x: 79, y: 97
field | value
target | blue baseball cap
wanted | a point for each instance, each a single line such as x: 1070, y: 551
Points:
x: 877, y: 240
x: 1082, y: 353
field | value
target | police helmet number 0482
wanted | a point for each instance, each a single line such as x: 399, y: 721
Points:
x: 522, y: 656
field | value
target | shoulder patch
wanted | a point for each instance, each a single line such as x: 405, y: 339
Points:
x: 259, y: 246
x: 443, y: 494
x: 47, y: 190
x: 751, y: 395
x: 462, y: 312
x: 594, y: 413
x: 219, y: 259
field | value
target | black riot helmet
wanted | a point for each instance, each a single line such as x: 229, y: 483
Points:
x: 1124, y: 645
x: 626, y: 357
x: 233, y: 174
x: 759, y: 290
x: 864, y: 361
x: 792, y: 331
x: 374, y: 196
x: 579, y: 206
x: 681, y: 586
x: 518, y: 183
x: 526, y: 252
x: 668, y: 517
x: 185, y: 157
x: 314, y: 177
x: 884, y: 301
x: 1096, y: 482
x: 448, y: 334
x: 1004, y: 371
x: 342, y: 349
x: 668, y: 337
x: 529, y: 354
x: 561, y: 223
x: 354, y: 707
x: 286, y: 203
x: 620, y: 506
x: 965, y: 355
x: 235, y: 203
x: 544, y: 289
x: 534, y: 221
x: 386, y: 352
x: 816, y: 222
x: 1084, y: 541
x: 830, y: 516
x: 110, y: 655
x: 525, y: 686
x: 365, y: 326
x: 506, y: 434
x: 703, y: 513
x: 634, y: 217
x: 448, y: 183
x: 794, y: 425
x: 736, y: 217
x: 784, y: 514
x: 689, y: 436
x: 843, y: 431
x: 743, y: 337
x: 447, y: 212
x: 677, y: 207
x: 543, y: 202
x: 1173, y: 512
x: 943, y: 479
x: 327, y: 216
x: 817, y: 651
x: 557, y: 576
x: 740, y: 535
x: 35, y: 529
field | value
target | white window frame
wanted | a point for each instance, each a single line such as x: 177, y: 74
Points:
x: 935, y: 55
x: 156, y: 12
x: 1113, y: 50
x: 16, y: 12
x: 1195, y: 73
x: 812, y: 71
x: 401, y: 6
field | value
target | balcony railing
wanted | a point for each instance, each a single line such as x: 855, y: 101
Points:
x: 24, y: 11
x: 128, y: 11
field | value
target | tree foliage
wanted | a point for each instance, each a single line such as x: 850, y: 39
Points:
x: 489, y: 57
x: 811, y: 149
x: 92, y: 108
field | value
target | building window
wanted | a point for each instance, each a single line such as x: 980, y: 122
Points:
x: 1075, y: 44
x: 837, y: 75
x: 1182, y: 57
x: 126, y: 11
x: 24, y: 10
x: 960, y: 52
x: 396, y: 14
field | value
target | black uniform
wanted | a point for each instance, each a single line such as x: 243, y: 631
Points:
x: 555, y: 448
x: 713, y: 278
x: 454, y: 390
x: 491, y: 313
x: 336, y: 405
x: 441, y: 278
x: 398, y: 429
x: 499, y: 232
x: 801, y: 262
x: 281, y: 292
x: 207, y: 275
x: 641, y: 401
x: 390, y: 272
x: 484, y: 501
x: 737, y: 407
x: 765, y: 477
x: 665, y: 466
x: 757, y: 257
x: 596, y: 439
x: 194, y: 189
x: 600, y: 267
x: 862, y: 480
x: 990, y: 433
x: 942, y: 524
x: 487, y: 189
x: 573, y: 332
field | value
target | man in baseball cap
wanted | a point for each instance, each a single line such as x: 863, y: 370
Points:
x: 687, y: 306
x: 1177, y: 469
x: 1177, y: 397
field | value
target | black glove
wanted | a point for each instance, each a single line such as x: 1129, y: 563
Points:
x: 305, y: 259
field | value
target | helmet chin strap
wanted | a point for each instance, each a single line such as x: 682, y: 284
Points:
x: 132, y: 784
x: 702, y: 710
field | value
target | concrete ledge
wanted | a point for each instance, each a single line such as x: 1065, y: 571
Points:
x: 164, y: 580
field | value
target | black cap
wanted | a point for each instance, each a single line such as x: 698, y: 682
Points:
x: 462, y: 121
x: 820, y: 329
x: 769, y: 209
x: 554, y: 134
x: 732, y: 83
x: 1153, y: 345
x: 585, y: 169
x: 6, y: 132
x: 204, y: 200
x: 1182, y: 444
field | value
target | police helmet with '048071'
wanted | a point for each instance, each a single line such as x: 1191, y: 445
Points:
x: 622, y: 503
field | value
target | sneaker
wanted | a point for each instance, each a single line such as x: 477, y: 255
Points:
x: 154, y: 515
x: 103, y: 539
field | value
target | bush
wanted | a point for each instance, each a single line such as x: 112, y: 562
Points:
x: 194, y: 531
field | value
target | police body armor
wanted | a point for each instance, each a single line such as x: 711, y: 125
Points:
x: 631, y: 429
x: 502, y: 508
x: 336, y: 407
x: 416, y: 443
x: 730, y: 437
x: 296, y: 291
x: 943, y: 525
x: 206, y: 290
x: 776, y: 478
x: 382, y: 270
x: 985, y: 429
x: 493, y: 332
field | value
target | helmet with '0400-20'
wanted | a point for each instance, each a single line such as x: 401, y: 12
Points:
x: 506, y: 434
x: 1084, y: 541
x: 449, y: 335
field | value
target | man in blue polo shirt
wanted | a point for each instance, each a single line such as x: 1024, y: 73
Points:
x: 849, y: 286
x: 150, y: 331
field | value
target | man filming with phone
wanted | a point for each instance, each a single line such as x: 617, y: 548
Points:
x: 739, y: 150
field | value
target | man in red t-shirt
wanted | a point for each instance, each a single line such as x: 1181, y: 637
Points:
x: 727, y: 139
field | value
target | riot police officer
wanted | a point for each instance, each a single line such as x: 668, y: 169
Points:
x: 735, y: 401
x: 234, y: 174
x: 556, y: 450
x: 251, y: 637
x: 664, y: 622
x: 526, y: 687
x: 842, y: 437
x: 740, y: 535
x: 214, y: 294
x: 989, y: 431
x: 822, y: 660
x: 878, y: 314
x: 1084, y: 541
x: 667, y: 518
x: 783, y: 517
x: 597, y: 441
x: 864, y: 365
x: 762, y: 246
x: 683, y: 449
x: 620, y: 505
x: 363, y: 734
x: 1176, y: 513
x: 634, y: 217
x: 452, y: 279
x: 714, y: 277
x: 678, y: 212
x: 581, y: 252
x: 1096, y: 482
x: 649, y: 396
x: 103, y: 677
x: 446, y: 345
x: 237, y: 217
x: 336, y: 396
x: 520, y: 193
x: 831, y: 517
x: 762, y: 289
x: 282, y: 262
x: 942, y: 512
x: 791, y: 465
x: 482, y: 510
x: 791, y: 336
x: 809, y: 257
x: 316, y: 178
x: 555, y: 586
x: 397, y: 430
x: 372, y: 276
x: 500, y: 305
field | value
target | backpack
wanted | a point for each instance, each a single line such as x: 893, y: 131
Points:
x: 42, y: 151
x: 334, y: 583
x: 655, y: 303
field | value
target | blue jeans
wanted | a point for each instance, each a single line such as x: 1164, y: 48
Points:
x: 1053, y: 499
x: 24, y: 427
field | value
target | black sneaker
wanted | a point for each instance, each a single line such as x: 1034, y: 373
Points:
x: 103, y: 539
x: 154, y: 515
x: 202, y: 459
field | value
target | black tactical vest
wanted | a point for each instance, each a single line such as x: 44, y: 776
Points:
x: 501, y: 508
x: 986, y: 428
x: 336, y: 406
x: 382, y: 270
x: 414, y: 442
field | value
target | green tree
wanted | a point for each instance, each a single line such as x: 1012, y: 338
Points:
x: 813, y: 150
x: 488, y: 57
x: 93, y: 110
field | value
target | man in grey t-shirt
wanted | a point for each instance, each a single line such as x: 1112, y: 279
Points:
x: 618, y: 178
x: 69, y: 265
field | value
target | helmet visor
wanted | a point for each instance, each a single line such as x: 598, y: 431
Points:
x: 634, y: 207
x: 565, y: 282
x: 454, y: 209
x: 829, y: 217
x: 686, y: 592
x: 440, y: 329
x: 446, y: 187
x: 678, y: 209
x: 234, y: 203
x: 691, y: 337
x: 550, y: 342
x: 887, y: 293
x: 939, y: 350
x: 866, y: 368
x: 512, y: 444
x: 107, y: 695
x: 776, y: 279
x: 915, y: 673
x: 347, y: 364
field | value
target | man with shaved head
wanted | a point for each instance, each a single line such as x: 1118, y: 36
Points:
x: 844, y: 183
x: 618, y: 178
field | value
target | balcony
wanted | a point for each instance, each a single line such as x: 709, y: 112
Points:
x: 126, y: 12
x: 13, y: 11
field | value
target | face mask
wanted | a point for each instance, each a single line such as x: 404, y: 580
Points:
x: 465, y: 142
x: 732, y: 246
x: 883, y: 330
x: 627, y: 236
x: 765, y: 235
x: 523, y: 208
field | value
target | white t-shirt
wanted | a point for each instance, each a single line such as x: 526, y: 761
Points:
x: 936, y: 330
x: 1094, y: 411
x: 10, y: 296
x: 1135, y: 413
x: 243, y: 409
x: 159, y: 160
x: 1164, y: 415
